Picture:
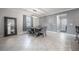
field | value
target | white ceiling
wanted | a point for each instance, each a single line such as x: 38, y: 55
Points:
x: 39, y: 12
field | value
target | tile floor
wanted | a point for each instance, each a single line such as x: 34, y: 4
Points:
x: 52, y: 42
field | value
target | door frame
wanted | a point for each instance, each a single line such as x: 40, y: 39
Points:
x: 5, y: 26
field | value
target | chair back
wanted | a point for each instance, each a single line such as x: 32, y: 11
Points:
x: 44, y: 29
x: 77, y: 29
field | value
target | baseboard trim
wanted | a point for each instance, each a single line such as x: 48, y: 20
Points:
x: 61, y: 32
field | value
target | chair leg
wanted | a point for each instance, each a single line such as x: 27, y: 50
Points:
x: 77, y: 36
x: 45, y: 33
x: 78, y: 40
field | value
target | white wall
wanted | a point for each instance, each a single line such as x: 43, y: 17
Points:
x: 9, y: 12
x: 72, y: 21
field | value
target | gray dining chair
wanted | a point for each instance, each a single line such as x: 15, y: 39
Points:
x: 43, y: 31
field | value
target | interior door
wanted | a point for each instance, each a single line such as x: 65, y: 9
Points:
x: 10, y: 27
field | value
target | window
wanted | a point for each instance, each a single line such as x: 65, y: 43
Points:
x: 62, y: 23
x: 27, y: 22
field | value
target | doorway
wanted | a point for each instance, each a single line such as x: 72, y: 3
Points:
x: 62, y: 23
x: 10, y: 26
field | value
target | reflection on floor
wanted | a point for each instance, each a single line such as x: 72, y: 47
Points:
x: 52, y: 42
